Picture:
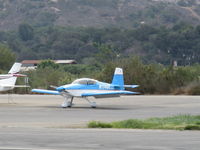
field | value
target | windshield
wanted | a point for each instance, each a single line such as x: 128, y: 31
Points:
x: 84, y: 81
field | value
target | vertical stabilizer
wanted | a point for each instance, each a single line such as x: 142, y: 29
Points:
x: 118, y: 78
x: 15, y: 68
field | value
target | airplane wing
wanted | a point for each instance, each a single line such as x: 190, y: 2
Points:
x: 107, y: 94
x: 45, y: 91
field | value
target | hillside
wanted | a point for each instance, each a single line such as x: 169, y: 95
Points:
x: 90, y: 31
x: 97, y: 13
x: 103, y: 34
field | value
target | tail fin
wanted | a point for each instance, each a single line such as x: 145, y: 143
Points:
x: 15, y: 68
x: 10, y: 81
x: 118, y: 78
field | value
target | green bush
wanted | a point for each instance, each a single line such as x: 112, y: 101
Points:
x: 96, y: 124
x: 192, y: 127
x: 194, y: 90
x: 48, y: 63
x: 154, y: 78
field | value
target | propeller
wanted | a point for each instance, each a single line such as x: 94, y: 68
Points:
x: 58, y: 88
x: 53, y: 87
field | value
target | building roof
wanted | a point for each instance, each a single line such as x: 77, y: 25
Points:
x: 56, y: 61
x: 31, y: 61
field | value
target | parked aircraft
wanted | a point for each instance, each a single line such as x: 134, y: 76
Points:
x: 86, y: 87
x: 7, y: 81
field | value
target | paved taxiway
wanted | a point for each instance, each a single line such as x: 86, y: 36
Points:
x: 37, y: 121
x: 45, y: 111
x: 91, y: 139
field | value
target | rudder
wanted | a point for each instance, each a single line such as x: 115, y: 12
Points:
x: 15, y: 68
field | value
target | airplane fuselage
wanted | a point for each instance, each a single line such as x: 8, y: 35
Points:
x: 78, y: 89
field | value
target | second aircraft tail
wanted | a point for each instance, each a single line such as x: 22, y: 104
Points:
x: 15, y: 68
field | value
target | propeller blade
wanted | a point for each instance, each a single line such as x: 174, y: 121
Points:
x: 53, y: 87
x: 60, y: 89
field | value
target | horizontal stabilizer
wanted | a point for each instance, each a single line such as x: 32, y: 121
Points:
x: 7, y: 85
x: 13, y: 86
x: 131, y: 86
x: 22, y: 86
x: 125, y: 86
x: 45, y: 91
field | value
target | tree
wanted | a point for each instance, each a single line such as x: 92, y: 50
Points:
x: 105, y: 53
x: 7, y: 57
x: 48, y: 64
x: 25, y: 32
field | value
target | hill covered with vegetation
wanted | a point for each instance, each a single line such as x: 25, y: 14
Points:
x: 97, y: 13
x: 160, y: 31
x: 103, y: 34
x: 87, y: 45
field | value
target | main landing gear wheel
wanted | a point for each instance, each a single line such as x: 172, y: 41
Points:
x: 93, y: 104
x: 67, y: 103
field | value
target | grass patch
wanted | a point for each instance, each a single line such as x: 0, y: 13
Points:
x: 97, y: 124
x: 180, y: 122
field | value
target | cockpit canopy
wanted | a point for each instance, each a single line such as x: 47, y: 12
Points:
x: 85, y: 81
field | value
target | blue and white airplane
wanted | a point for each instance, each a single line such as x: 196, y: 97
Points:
x: 86, y: 87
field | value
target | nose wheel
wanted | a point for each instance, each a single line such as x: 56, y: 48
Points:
x: 67, y: 103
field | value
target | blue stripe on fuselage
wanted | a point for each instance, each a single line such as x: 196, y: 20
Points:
x: 98, y: 86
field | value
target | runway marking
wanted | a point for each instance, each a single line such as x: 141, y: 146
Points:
x: 14, y: 148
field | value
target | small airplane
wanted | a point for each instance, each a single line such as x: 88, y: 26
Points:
x: 7, y: 81
x: 86, y: 87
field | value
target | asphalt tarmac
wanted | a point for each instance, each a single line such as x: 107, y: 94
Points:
x: 92, y: 139
x: 38, y: 122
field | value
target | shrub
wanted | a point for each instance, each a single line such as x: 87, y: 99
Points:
x: 97, y: 124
